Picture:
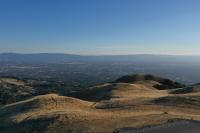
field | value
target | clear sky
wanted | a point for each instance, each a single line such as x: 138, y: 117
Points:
x: 100, y: 26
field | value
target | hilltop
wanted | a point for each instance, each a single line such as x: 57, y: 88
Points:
x: 163, y: 83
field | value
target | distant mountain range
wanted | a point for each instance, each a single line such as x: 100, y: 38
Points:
x: 60, y: 58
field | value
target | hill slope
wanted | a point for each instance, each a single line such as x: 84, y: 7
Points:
x: 187, y: 90
x: 108, y: 107
x: 164, y: 83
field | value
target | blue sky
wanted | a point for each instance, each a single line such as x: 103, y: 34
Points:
x: 100, y: 26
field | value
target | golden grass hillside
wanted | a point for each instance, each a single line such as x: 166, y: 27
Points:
x: 110, y: 106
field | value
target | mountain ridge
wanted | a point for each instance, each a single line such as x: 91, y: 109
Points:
x: 60, y: 57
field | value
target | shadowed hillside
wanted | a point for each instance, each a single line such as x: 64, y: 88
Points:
x: 190, y: 89
x: 164, y: 83
x: 13, y: 89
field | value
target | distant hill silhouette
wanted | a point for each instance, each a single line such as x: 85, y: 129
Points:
x: 60, y: 58
x: 37, y: 58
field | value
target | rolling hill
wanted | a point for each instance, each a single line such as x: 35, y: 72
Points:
x: 104, y: 108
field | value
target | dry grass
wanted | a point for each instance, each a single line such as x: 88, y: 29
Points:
x: 12, y: 81
x: 129, y: 105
